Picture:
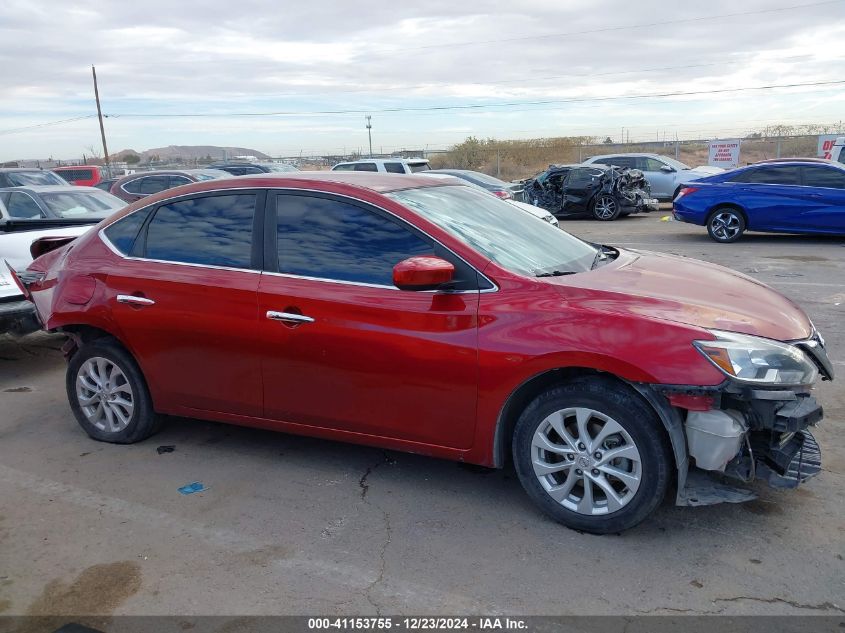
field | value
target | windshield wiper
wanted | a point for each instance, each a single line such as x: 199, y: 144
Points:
x: 555, y: 273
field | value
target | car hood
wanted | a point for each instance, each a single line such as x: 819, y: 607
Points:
x: 704, y: 170
x: 688, y: 291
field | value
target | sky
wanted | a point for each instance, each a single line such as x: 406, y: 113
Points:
x: 298, y: 78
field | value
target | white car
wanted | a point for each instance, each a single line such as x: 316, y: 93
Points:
x: 35, y: 215
x: 664, y: 175
x: 385, y: 165
x: 537, y: 212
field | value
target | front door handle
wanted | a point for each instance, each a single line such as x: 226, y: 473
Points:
x: 132, y: 299
x: 289, y: 317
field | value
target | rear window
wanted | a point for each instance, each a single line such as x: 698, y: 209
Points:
x: 71, y: 204
x: 82, y: 173
x: 28, y: 178
x: 415, y: 167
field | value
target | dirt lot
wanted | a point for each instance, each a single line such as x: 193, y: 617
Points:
x: 296, y: 525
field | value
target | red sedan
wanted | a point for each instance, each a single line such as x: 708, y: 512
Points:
x: 418, y: 314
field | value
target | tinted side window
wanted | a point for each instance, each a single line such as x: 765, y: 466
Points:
x: 343, y: 167
x: 770, y: 175
x: 619, y: 161
x: 824, y: 177
x: 366, y: 167
x: 332, y: 239
x: 122, y: 233
x: 20, y: 205
x: 212, y: 230
x: 153, y: 184
x: 581, y: 177
x: 394, y: 168
x: 133, y: 186
x: 175, y: 181
x: 649, y: 164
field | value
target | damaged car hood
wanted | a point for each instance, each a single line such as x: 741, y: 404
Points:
x: 687, y: 291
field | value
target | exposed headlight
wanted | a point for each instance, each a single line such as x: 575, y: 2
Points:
x: 758, y: 360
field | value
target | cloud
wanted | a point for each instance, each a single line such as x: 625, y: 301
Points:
x: 216, y: 57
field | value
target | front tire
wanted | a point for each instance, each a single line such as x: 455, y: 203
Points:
x: 108, y: 394
x: 592, y: 455
x: 605, y: 207
x: 726, y: 225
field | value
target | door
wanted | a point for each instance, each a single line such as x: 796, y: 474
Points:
x: 661, y: 181
x: 824, y: 192
x: 773, y: 197
x: 344, y: 348
x: 186, y: 301
x: 579, y: 188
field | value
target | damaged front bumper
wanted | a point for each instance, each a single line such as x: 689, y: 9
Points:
x: 748, y: 435
x: 734, y: 434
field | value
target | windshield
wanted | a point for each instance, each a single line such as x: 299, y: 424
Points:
x: 279, y: 167
x: 72, y: 204
x: 29, y: 178
x: 510, y: 237
x: 674, y: 163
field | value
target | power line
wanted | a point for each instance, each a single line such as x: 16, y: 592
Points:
x: 478, y: 106
x: 32, y: 127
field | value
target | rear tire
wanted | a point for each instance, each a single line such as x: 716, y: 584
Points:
x: 605, y: 207
x: 726, y: 225
x: 592, y: 455
x: 108, y: 394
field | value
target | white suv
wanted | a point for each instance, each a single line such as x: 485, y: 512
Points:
x: 385, y: 165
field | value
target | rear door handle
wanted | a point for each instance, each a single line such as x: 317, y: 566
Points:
x: 288, y: 317
x: 141, y: 301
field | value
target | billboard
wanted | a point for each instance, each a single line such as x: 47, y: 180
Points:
x: 826, y: 142
x: 724, y: 153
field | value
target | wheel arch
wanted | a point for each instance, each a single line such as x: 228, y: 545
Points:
x: 729, y: 205
x: 534, y: 386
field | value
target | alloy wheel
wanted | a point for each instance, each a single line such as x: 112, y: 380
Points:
x: 104, y: 394
x: 726, y: 225
x: 586, y: 461
x: 605, y: 207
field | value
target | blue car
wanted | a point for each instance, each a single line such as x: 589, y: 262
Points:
x: 786, y: 196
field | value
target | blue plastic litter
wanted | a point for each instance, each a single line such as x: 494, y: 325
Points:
x: 191, y: 488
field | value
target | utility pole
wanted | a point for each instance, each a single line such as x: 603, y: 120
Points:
x: 100, y: 116
x: 370, y: 134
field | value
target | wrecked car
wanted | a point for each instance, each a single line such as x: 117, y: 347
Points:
x: 601, y: 191
x: 446, y: 325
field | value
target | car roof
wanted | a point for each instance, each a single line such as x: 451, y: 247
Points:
x: 633, y: 154
x: 52, y: 189
x: 23, y: 169
x: 77, y: 167
x: 823, y: 161
x: 384, y: 160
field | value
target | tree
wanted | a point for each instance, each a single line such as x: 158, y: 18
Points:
x: 132, y: 159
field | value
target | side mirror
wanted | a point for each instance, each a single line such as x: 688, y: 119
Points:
x: 422, y: 273
x: 667, y: 169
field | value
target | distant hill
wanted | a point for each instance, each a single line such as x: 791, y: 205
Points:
x: 190, y: 153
